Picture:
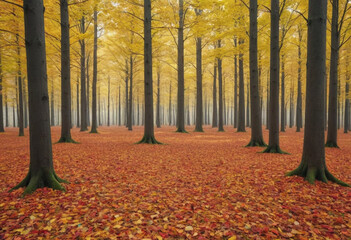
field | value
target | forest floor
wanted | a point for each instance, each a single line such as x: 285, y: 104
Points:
x: 197, y: 186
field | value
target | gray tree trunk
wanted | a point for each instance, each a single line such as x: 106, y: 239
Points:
x: 299, y: 92
x: 220, y: 93
x: 282, y: 101
x: 94, y: 124
x: 83, y: 96
x: 199, y: 111
x: 235, y: 87
x: 241, y: 117
x: 214, y: 89
x: 130, y: 104
x: 1, y: 104
x: 20, y: 89
x: 158, y: 120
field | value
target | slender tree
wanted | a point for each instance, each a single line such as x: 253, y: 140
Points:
x: 220, y: 92
x: 1, y: 105
x: 256, y: 122
x: 158, y: 120
x: 241, y: 114
x: 148, y: 90
x: 41, y: 170
x: 83, y: 92
x: 199, y: 110
x: 273, y: 146
x: 214, y: 90
x: 94, y: 125
x: 65, y: 76
x: 20, y: 89
x: 235, y: 87
x: 313, y: 166
x: 299, y: 91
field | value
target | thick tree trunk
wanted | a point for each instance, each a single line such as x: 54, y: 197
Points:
x: 180, y: 102
x: 20, y: 89
x: 333, y: 79
x: 313, y: 164
x: 2, y: 129
x: 41, y: 170
x: 94, y: 125
x: 83, y: 96
x: 148, y: 90
x: 256, y: 122
x: 282, y: 101
x: 241, y: 117
x: 65, y: 76
x: 130, y: 104
x: 214, y: 89
x: 158, y: 120
x: 273, y: 146
x: 199, y: 113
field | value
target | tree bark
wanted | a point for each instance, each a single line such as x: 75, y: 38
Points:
x: 158, y: 120
x: 94, y: 125
x: 273, y: 146
x: 220, y: 93
x: 83, y: 96
x: 235, y: 87
x: 256, y: 122
x: 347, y: 101
x: 108, y: 101
x: 180, y: 101
x: 148, y: 90
x: 41, y: 170
x: 170, y: 105
x: 20, y: 89
x: 241, y: 117
x: 65, y: 76
x: 130, y: 104
x: 313, y: 166
x: 2, y: 129
x: 78, y: 117
x: 282, y: 101
x: 299, y: 92
x: 333, y: 79
x: 52, y: 109
x: 199, y: 113
x: 214, y: 89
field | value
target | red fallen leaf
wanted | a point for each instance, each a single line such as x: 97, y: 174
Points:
x: 339, y: 220
x: 274, y: 231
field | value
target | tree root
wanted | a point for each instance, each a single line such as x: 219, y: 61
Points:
x: 66, y: 140
x: 331, y: 144
x: 181, y: 130
x: 199, y: 130
x: 256, y: 143
x: 148, y: 140
x: 44, y: 178
x: 274, y: 149
x: 312, y: 174
x: 93, y: 131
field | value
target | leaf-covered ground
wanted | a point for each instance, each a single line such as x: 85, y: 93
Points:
x: 198, y: 186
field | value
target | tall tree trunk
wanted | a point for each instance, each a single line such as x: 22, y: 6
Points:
x: 220, y: 94
x: 299, y: 92
x: 256, y: 122
x: 148, y: 90
x: 130, y: 104
x: 41, y: 170
x: 65, y: 75
x: 119, y: 105
x: 241, y: 117
x: 313, y: 164
x: 83, y: 96
x: 199, y: 114
x: 214, y: 108
x: 20, y: 89
x: 94, y: 125
x: 247, y: 105
x: 267, y: 102
x: 52, y: 109
x: 333, y: 79
x: 88, y: 90
x: 1, y: 105
x: 273, y: 146
x: 170, y: 105
x: 108, y: 101
x: 158, y: 120
x: 180, y: 101
x: 6, y: 110
x: 235, y: 87
x: 347, y: 101
x: 282, y: 101
x: 126, y: 115
x: 78, y: 117
x: 291, y: 111
x: 99, y: 106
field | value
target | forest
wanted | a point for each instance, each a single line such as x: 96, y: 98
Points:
x: 175, y: 119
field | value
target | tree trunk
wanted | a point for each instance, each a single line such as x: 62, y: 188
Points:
x: 65, y: 76
x: 1, y: 107
x: 148, y: 90
x: 170, y: 105
x: 199, y: 114
x: 241, y: 117
x: 20, y: 89
x: 52, y: 109
x: 256, y: 122
x: 273, y: 146
x: 299, y: 92
x: 83, y: 97
x: 247, y: 105
x: 180, y: 102
x: 108, y: 100
x: 41, y: 170
x: 333, y: 79
x: 126, y: 115
x: 235, y: 87
x: 282, y: 101
x: 88, y: 92
x: 220, y: 94
x: 6, y: 111
x: 347, y: 101
x: 313, y: 164
x: 214, y: 108
x: 158, y: 120
x: 94, y: 125
x: 267, y: 102
x: 78, y: 118
x: 130, y: 104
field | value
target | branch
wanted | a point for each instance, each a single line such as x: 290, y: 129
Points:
x: 15, y: 4
x: 242, y: 1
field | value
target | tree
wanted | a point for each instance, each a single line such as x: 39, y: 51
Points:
x: 148, y: 90
x: 41, y: 170
x: 94, y: 110
x: 1, y: 110
x: 241, y: 113
x: 273, y: 146
x: 313, y: 166
x: 65, y: 76
x: 214, y: 90
x: 256, y: 123
x: 199, y: 115
x: 220, y: 90
x: 83, y: 96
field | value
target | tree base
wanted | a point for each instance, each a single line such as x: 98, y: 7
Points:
x: 257, y: 143
x: 43, y: 178
x: 331, y: 144
x: 66, y: 140
x: 181, y: 131
x: 93, y: 131
x: 241, y: 130
x: 311, y: 174
x: 274, y: 149
x: 199, y: 129
x: 148, y: 140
